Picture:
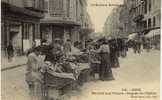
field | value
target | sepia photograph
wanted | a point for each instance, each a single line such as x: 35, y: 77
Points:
x: 80, y: 49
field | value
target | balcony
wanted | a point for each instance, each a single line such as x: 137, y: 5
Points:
x: 21, y: 10
x: 138, y: 18
x: 37, y: 5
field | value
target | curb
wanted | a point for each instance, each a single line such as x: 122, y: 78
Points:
x: 12, y: 67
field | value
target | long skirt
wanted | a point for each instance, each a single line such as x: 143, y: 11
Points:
x: 105, y: 71
x: 114, y: 60
x: 35, y: 91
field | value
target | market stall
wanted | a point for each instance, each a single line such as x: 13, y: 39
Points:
x: 71, y: 71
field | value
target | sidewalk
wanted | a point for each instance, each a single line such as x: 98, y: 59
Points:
x: 16, y: 62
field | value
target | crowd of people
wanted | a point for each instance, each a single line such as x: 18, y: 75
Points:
x: 101, y: 56
x: 138, y: 45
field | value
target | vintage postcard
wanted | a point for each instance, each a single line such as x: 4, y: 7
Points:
x: 80, y: 49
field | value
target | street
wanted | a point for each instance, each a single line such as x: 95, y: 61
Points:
x: 136, y: 71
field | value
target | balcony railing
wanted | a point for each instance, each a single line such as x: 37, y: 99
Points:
x: 138, y: 18
x: 35, y: 4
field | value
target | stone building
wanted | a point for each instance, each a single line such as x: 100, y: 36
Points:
x: 60, y: 20
x: 20, y: 23
x: 86, y: 24
x: 63, y: 19
x: 120, y: 22
x: 147, y: 16
x: 126, y: 18
x: 140, y: 17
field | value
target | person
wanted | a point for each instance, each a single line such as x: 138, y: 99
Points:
x: 139, y: 47
x: 135, y: 46
x: 33, y: 75
x: 32, y: 48
x: 67, y: 47
x: 114, y: 54
x: 148, y: 45
x: 57, y: 50
x: 105, y: 71
x: 94, y: 61
x: 10, y: 51
x: 46, y: 49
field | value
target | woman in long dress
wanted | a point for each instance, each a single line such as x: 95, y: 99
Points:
x: 105, y: 71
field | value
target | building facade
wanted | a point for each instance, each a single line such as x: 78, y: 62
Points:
x: 147, y: 17
x: 140, y: 17
x: 20, y: 24
x: 60, y: 20
x: 63, y: 19
x: 146, y: 14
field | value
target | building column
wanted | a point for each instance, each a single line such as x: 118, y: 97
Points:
x: 30, y: 34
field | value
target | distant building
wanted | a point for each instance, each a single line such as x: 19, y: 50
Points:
x: 113, y: 26
x: 136, y: 16
x: 20, y: 23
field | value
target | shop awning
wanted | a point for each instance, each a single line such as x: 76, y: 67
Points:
x: 152, y: 33
x: 132, y: 36
x: 59, y: 22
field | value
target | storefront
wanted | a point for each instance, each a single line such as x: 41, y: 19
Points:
x: 20, y: 27
x: 154, y: 36
x: 52, y: 29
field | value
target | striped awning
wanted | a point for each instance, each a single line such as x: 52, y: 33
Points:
x: 132, y: 36
x: 152, y: 33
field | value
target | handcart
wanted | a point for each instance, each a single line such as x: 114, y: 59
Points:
x: 54, y: 82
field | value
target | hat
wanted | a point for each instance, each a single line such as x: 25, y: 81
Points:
x: 37, y: 48
x: 43, y: 41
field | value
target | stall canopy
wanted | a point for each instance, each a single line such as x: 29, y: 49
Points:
x: 153, y: 33
x: 132, y: 36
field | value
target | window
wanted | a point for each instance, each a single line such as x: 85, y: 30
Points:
x: 55, y: 7
x: 68, y: 8
x: 46, y: 6
x: 41, y: 4
x: 150, y: 5
x: 149, y: 23
x: 154, y: 21
x: 145, y: 6
x: 145, y: 24
x: 25, y: 36
x: 76, y: 8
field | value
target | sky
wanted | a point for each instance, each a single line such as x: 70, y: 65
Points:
x: 99, y: 13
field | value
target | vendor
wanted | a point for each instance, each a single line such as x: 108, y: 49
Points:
x: 94, y: 60
x: 105, y: 71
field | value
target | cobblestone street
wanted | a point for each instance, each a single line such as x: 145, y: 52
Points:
x: 136, y: 71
